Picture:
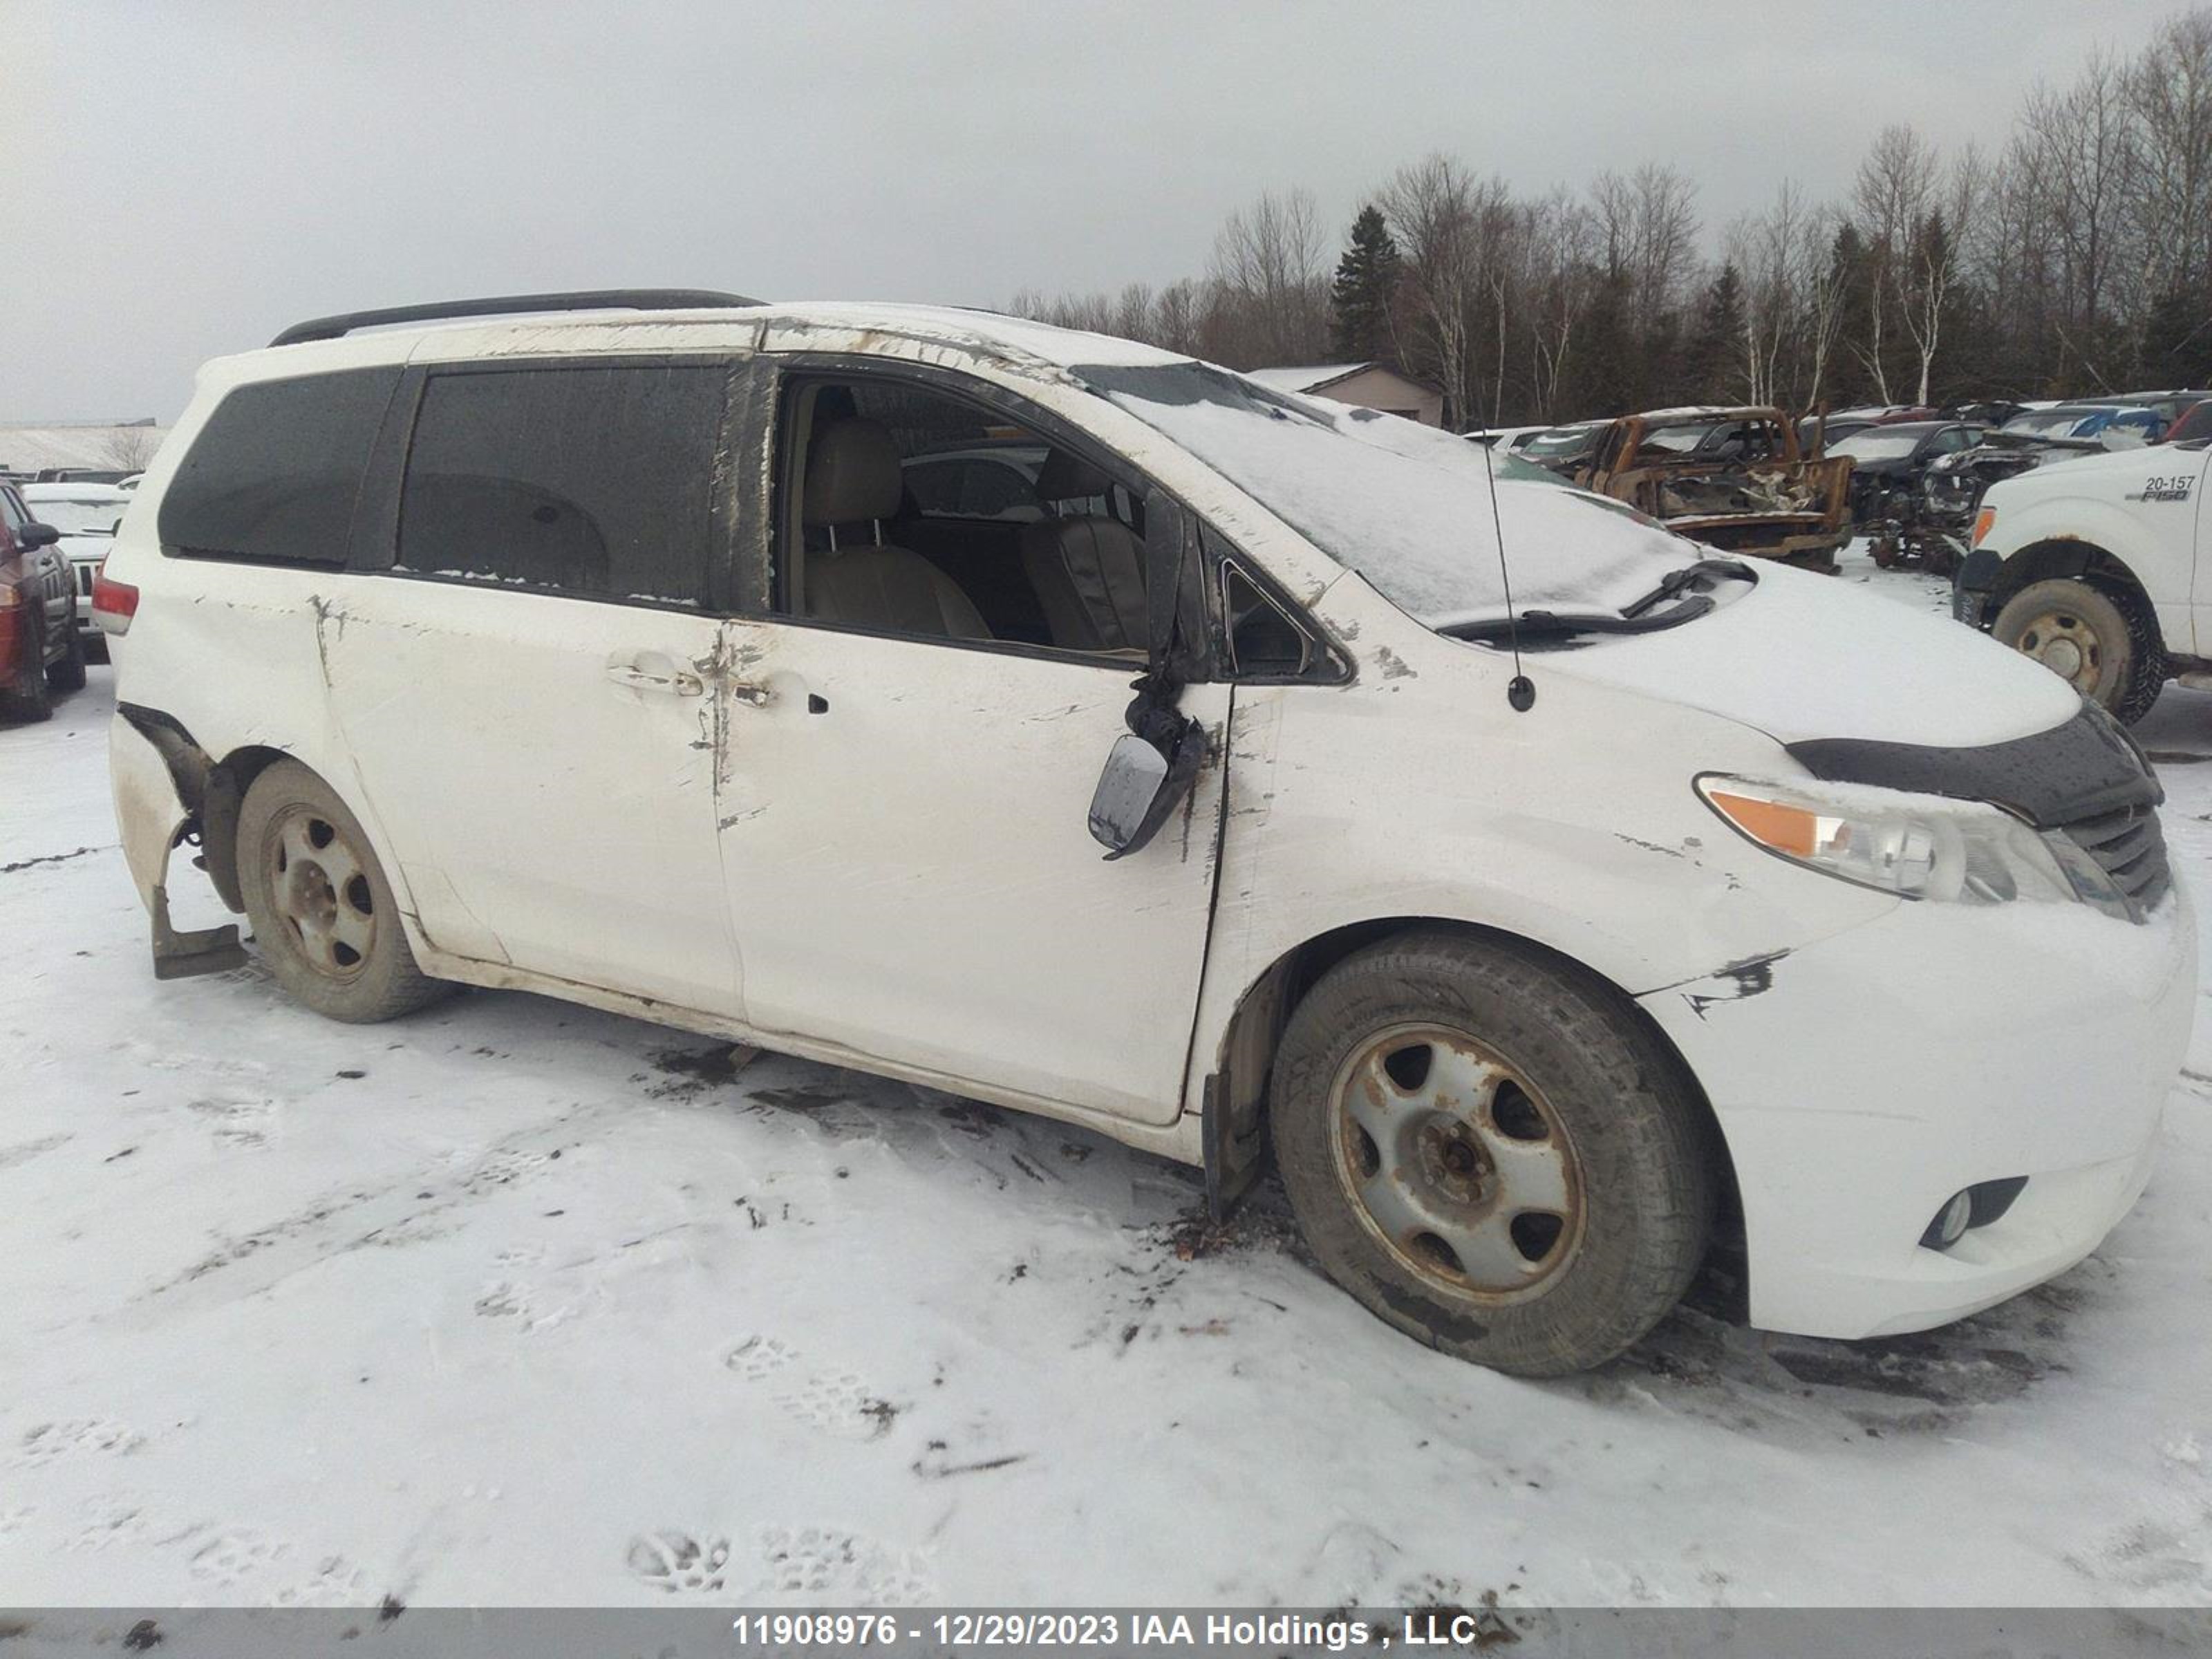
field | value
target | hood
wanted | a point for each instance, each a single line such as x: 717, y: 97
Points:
x: 1801, y: 657
x: 77, y: 548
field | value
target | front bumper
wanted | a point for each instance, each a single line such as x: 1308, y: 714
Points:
x: 1880, y: 1071
x: 1972, y: 587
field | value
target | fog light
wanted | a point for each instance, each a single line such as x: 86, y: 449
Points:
x: 1951, y: 1222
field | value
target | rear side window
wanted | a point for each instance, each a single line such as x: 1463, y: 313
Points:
x: 274, y: 473
x: 590, y: 481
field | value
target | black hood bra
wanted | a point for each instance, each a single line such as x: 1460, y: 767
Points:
x: 2083, y: 769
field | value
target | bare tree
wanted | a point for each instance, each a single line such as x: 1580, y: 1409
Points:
x: 2080, y: 148
x: 130, y: 448
x: 2169, y: 96
x: 1269, y: 265
x: 1562, y: 278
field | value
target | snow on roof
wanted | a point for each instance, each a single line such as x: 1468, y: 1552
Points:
x: 96, y: 447
x: 1310, y: 378
x: 1697, y: 412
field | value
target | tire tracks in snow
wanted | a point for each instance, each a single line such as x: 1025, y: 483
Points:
x: 359, y: 1217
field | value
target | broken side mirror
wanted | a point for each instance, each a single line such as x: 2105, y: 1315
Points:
x: 1141, y: 787
x: 1136, y: 774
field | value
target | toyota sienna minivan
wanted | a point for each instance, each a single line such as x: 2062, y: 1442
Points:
x: 1551, y: 895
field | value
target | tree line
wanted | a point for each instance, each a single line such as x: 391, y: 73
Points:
x: 2073, y: 258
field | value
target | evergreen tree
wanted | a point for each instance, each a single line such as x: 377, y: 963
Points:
x: 1714, y: 369
x: 1365, y: 288
x: 1850, y: 272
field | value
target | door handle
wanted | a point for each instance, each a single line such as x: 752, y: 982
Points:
x: 655, y: 674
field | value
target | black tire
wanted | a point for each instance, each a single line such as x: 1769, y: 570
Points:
x: 31, y: 697
x: 2102, y: 640
x: 323, y: 913
x: 67, y: 674
x: 1584, y: 1084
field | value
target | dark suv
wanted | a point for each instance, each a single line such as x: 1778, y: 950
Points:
x: 40, y: 652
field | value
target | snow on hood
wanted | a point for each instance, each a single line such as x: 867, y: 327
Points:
x: 1409, y: 506
x: 1804, y: 656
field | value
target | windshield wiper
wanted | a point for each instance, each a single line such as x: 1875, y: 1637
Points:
x: 1549, y: 624
x: 1637, y: 617
x: 1675, y: 581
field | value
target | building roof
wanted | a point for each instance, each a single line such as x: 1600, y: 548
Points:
x: 91, y: 444
x: 1312, y: 377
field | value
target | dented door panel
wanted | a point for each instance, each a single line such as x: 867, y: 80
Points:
x: 567, y: 827
x: 912, y: 875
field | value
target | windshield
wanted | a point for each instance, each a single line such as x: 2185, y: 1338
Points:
x: 1873, y: 444
x: 1678, y: 440
x: 1560, y: 440
x: 78, y: 517
x: 2047, y: 423
x: 1408, y: 507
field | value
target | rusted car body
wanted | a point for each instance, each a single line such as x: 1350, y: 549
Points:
x: 1734, y: 479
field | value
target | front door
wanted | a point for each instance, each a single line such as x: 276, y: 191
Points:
x: 912, y: 877
x: 530, y: 692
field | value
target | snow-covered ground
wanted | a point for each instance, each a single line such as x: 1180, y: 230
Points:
x: 516, y: 1302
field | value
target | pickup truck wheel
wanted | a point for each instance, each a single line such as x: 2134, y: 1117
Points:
x: 322, y: 911
x: 67, y: 674
x: 1487, y: 1149
x: 2101, y: 642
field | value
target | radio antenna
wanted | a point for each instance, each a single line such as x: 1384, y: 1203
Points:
x: 1519, y: 691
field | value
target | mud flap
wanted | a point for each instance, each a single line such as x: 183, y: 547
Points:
x: 151, y: 820
x: 1233, y: 1158
x: 201, y: 951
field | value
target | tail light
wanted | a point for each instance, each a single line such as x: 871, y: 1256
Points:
x: 1984, y: 521
x: 114, y: 602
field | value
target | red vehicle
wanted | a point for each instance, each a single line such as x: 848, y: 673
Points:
x: 40, y: 651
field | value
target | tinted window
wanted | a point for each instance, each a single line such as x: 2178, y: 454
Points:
x: 274, y: 473
x: 596, y: 481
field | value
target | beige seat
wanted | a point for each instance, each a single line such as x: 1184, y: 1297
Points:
x: 853, y: 484
x: 1088, y: 570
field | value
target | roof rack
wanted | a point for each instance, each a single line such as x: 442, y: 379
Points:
x: 510, y: 305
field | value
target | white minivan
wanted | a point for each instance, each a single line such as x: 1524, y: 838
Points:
x: 1551, y: 896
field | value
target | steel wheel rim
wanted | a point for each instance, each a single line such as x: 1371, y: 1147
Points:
x: 318, y: 883
x: 1456, y: 1165
x: 2067, y: 645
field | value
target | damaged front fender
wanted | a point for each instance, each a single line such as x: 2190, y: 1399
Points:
x: 152, y: 818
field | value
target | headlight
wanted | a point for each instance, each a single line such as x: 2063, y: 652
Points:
x: 1918, y: 847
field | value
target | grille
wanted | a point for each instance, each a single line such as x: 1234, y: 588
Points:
x: 84, y: 575
x: 2131, y: 848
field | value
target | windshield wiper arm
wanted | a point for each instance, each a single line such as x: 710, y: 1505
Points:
x: 1549, y: 624
x: 1675, y: 581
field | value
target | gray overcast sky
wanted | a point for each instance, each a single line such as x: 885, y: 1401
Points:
x: 187, y: 178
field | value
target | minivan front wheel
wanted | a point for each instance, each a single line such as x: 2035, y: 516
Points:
x: 322, y: 911
x: 1485, y: 1148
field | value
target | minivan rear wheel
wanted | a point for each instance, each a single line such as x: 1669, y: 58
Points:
x: 1485, y: 1147
x: 322, y: 910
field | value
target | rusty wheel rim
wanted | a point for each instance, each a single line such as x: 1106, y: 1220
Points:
x: 319, y: 882
x: 1456, y: 1165
x: 2067, y: 645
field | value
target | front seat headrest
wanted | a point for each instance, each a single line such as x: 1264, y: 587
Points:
x: 852, y: 473
x: 1065, y: 477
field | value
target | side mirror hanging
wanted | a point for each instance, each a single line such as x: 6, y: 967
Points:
x: 1151, y: 766
x: 1141, y: 787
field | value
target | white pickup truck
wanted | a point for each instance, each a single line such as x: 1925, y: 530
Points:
x: 2091, y: 567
